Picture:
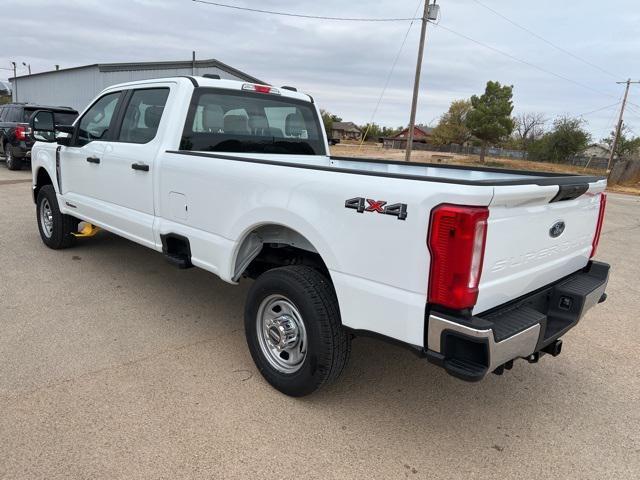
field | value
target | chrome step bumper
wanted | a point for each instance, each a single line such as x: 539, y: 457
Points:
x: 470, y: 347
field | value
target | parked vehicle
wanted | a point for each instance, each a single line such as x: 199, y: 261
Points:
x: 471, y: 268
x: 15, y: 143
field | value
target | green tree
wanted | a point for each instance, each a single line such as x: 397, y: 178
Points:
x: 490, y: 118
x: 452, y: 127
x: 627, y: 146
x: 371, y: 131
x: 568, y: 137
x: 328, y: 119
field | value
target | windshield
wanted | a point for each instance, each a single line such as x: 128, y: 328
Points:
x: 243, y: 122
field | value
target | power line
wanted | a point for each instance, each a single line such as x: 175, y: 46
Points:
x: 388, y: 79
x: 599, y: 109
x: 314, y: 17
x: 548, y: 42
x: 524, y: 62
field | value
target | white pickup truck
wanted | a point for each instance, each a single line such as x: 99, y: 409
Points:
x: 468, y: 267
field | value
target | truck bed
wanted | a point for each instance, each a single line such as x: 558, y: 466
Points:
x: 457, y: 174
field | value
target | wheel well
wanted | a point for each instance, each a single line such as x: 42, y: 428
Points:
x: 42, y: 179
x: 271, y: 246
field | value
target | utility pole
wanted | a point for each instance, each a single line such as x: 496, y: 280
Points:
x: 616, y: 138
x: 15, y: 81
x: 416, y: 83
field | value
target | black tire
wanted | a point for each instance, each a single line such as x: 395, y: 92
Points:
x: 62, y: 225
x: 13, y: 163
x: 328, y: 344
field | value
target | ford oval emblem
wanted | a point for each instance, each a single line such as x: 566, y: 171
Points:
x: 556, y: 230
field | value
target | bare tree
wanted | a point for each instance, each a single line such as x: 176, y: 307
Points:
x: 528, y: 128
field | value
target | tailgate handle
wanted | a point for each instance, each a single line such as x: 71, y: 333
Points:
x: 570, y: 192
x: 140, y: 166
x: 93, y: 160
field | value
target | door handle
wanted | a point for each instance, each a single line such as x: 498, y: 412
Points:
x: 143, y: 167
x: 93, y: 160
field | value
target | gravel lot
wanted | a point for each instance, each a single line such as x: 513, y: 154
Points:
x: 113, y: 364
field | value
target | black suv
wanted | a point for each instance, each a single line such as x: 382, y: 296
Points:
x: 15, y: 143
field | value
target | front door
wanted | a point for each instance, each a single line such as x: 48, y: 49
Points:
x: 81, y: 163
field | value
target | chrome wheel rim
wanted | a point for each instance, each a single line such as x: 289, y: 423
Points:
x: 281, y: 334
x: 46, y: 218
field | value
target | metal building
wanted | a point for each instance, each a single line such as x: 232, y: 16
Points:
x: 76, y: 87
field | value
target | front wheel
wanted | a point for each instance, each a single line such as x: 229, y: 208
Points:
x: 55, y: 227
x: 293, y: 329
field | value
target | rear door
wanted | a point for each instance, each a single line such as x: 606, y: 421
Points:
x: 128, y: 169
x: 533, y: 241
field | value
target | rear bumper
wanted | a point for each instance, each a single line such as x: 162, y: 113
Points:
x: 470, y: 347
x: 21, y: 150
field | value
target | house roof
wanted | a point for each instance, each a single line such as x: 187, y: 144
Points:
x: 119, y: 67
x: 603, y: 146
x: 419, y: 129
x: 346, y: 126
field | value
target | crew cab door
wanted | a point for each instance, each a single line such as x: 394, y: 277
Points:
x: 128, y: 169
x: 81, y: 160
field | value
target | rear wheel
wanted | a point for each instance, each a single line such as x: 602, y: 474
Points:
x: 13, y: 163
x: 293, y: 330
x: 55, y: 228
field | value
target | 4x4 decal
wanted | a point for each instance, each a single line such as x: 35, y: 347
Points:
x: 361, y: 205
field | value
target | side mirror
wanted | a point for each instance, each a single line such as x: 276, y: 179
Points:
x: 42, y: 126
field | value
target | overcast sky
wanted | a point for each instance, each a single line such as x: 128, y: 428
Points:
x: 344, y: 65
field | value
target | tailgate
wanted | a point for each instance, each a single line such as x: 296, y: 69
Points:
x: 533, y: 241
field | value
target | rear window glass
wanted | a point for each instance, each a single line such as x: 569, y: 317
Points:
x: 244, y: 122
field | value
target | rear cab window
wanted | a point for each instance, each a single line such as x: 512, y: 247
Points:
x: 221, y: 120
x: 142, y: 115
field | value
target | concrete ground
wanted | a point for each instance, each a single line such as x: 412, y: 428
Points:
x: 113, y: 364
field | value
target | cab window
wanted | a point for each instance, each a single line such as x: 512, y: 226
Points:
x: 142, y: 117
x: 95, y: 123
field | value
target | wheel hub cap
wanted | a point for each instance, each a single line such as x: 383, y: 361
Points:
x: 46, y: 218
x: 281, y: 334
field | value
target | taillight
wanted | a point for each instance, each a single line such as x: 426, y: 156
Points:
x: 260, y: 88
x: 21, y: 133
x: 596, y: 237
x: 457, y: 237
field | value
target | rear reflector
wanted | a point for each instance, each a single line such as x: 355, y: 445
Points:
x: 596, y: 237
x: 457, y: 239
x: 260, y: 89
